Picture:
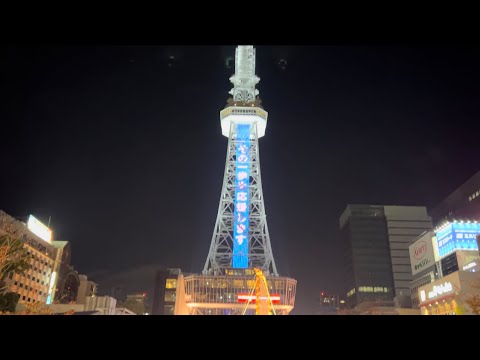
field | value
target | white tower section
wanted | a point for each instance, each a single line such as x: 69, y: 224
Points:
x: 240, y: 238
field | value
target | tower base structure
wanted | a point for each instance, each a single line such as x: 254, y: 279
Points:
x: 227, y: 293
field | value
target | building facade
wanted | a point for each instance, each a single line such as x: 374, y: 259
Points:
x: 165, y: 293
x: 86, y: 289
x: 375, y: 243
x: 404, y: 224
x: 451, y: 248
x: 454, y: 294
x: 463, y: 203
x: 37, y: 283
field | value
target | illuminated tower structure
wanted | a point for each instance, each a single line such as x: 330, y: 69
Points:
x: 240, y: 240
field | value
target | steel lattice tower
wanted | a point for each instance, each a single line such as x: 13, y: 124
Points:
x: 240, y: 238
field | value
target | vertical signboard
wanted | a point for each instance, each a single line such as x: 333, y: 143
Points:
x: 242, y: 197
x: 422, y: 255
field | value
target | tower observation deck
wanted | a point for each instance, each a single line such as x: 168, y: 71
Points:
x: 240, y: 240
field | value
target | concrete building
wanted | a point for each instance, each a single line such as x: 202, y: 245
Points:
x: 105, y: 305
x: 404, y: 223
x: 463, y: 203
x: 448, y: 249
x: 375, y: 251
x: 166, y: 282
x: 87, y: 288
x: 37, y: 283
x: 455, y: 294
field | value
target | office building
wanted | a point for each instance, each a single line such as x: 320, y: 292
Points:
x: 37, y: 283
x: 375, y: 251
x: 463, y: 203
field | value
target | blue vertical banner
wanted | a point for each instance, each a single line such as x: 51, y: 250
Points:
x: 242, y: 197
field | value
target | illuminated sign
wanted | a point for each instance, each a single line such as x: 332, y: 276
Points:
x: 242, y: 197
x: 50, y: 288
x: 457, y: 236
x: 39, y: 229
x: 423, y: 296
x: 469, y: 266
x: 243, y: 298
x: 422, y: 255
x: 440, y: 289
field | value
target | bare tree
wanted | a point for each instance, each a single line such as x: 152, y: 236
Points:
x: 13, y: 259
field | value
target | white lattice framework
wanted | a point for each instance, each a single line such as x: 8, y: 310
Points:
x: 221, y: 248
x: 244, y: 80
x: 244, y: 111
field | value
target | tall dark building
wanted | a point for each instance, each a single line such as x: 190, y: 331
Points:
x: 377, y: 261
x: 165, y: 292
x: 366, y: 255
x: 463, y: 203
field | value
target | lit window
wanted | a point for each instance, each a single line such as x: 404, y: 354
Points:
x: 469, y: 198
x: 171, y: 284
x: 478, y: 193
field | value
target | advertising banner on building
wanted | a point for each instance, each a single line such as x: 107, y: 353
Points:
x: 421, y: 253
x: 458, y: 236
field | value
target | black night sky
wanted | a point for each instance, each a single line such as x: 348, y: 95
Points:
x: 122, y: 147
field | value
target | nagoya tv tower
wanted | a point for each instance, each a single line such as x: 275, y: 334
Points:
x: 240, y: 243
x: 240, y: 239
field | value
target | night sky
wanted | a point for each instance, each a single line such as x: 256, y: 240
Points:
x: 122, y: 147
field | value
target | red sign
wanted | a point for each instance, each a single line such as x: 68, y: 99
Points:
x: 243, y: 298
x: 420, y: 250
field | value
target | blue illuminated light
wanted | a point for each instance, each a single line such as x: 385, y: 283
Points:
x: 457, y: 236
x: 242, y: 197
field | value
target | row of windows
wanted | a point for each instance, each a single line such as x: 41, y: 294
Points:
x: 374, y: 289
x: 26, y: 287
x: 40, y: 259
x: 240, y: 111
x: 474, y: 195
x: 37, y: 279
x: 415, y: 288
x: 28, y: 299
x: 45, y: 273
x: 33, y: 280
